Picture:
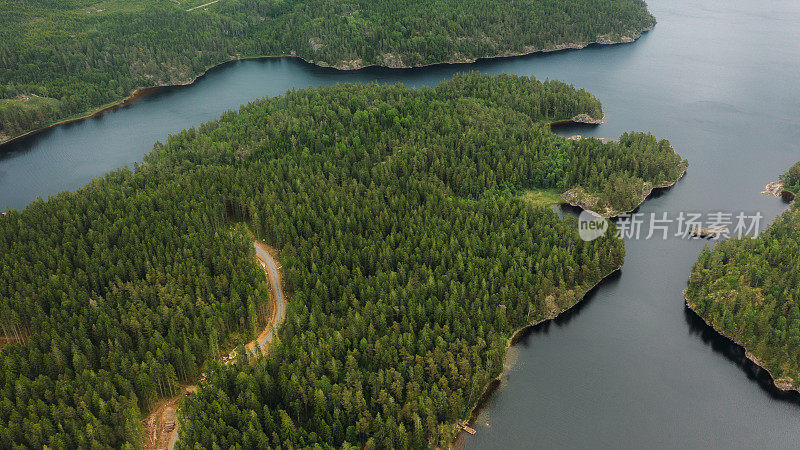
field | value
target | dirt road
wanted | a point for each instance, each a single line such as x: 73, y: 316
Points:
x: 271, y: 268
x: 161, y: 426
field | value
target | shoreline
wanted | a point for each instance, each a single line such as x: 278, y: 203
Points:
x: 532, y: 51
x: 134, y: 97
x: 775, y: 189
x: 142, y: 92
x: 646, y: 193
x: 493, y: 384
x: 580, y: 119
x: 779, y: 385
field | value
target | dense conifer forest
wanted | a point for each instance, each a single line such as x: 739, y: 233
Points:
x: 749, y: 289
x: 791, y: 179
x: 408, y: 254
x: 65, y: 58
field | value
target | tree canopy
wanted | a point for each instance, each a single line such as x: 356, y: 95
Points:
x: 409, y: 257
x: 791, y: 179
x: 749, y: 289
x: 64, y: 58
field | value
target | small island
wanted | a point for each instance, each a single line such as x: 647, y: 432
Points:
x: 63, y: 61
x: 707, y: 232
x: 410, y: 255
x: 749, y: 291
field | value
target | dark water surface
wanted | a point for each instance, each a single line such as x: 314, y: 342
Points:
x: 630, y: 367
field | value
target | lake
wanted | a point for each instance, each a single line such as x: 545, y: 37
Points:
x: 629, y: 367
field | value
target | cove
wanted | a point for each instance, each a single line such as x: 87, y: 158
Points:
x: 628, y: 367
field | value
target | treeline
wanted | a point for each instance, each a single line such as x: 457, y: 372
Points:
x: 749, y: 289
x: 408, y: 271
x: 791, y: 179
x: 72, y: 56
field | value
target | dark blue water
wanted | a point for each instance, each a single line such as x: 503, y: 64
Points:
x: 630, y: 367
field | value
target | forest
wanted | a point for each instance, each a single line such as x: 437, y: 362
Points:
x: 61, y: 59
x: 408, y: 257
x: 745, y: 288
x: 791, y: 179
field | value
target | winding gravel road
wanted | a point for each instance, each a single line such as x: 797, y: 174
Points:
x: 271, y: 269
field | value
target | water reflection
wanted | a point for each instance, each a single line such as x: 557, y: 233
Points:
x: 522, y: 338
x: 736, y: 354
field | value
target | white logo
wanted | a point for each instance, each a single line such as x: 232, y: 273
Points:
x: 591, y: 225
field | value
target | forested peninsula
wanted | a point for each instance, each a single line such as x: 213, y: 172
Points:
x: 409, y: 244
x: 749, y: 291
x: 65, y: 59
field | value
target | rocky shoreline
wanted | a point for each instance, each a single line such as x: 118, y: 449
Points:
x: 393, y: 64
x: 396, y: 62
x: 571, y: 196
x: 494, y: 383
x: 781, y: 384
x: 775, y: 189
x: 578, y: 137
x: 581, y: 119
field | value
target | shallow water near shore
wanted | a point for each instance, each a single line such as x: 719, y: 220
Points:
x: 631, y: 367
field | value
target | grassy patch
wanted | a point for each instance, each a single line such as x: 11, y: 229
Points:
x: 542, y: 197
x: 28, y: 103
